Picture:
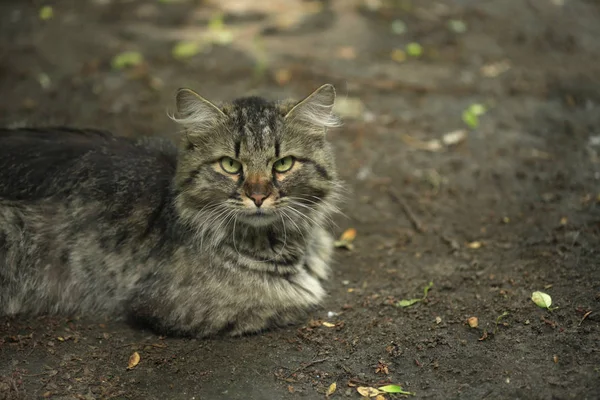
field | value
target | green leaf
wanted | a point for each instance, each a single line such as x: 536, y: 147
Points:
x: 127, y: 59
x: 426, y: 289
x: 46, y: 13
x: 407, y: 303
x: 541, y: 299
x: 185, y: 49
x: 470, y: 116
x: 414, y: 49
x: 410, y: 302
x: 477, y: 109
x: 395, y: 389
x: 470, y: 119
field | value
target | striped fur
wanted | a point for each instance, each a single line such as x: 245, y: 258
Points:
x: 96, y: 224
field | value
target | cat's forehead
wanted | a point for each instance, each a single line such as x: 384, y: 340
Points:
x: 256, y: 122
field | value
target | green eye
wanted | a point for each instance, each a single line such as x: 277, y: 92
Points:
x: 230, y: 165
x: 284, y: 164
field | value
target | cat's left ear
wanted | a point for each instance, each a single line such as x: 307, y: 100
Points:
x: 195, y: 111
x: 316, y: 109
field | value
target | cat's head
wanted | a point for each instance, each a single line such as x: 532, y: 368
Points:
x: 256, y: 162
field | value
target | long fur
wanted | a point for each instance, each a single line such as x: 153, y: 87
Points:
x: 92, y: 223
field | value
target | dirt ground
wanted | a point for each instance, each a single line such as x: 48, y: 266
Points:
x: 514, y: 208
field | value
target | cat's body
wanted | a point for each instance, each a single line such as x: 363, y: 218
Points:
x: 186, y: 238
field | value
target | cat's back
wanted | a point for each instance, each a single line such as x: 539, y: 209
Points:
x: 60, y: 162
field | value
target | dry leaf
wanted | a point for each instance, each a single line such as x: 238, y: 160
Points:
x: 367, y: 391
x: 283, y: 76
x: 398, y: 55
x: 473, y: 322
x: 563, y: 221
x: 134, y: 360
x: 379, y: 397
x: 430, y: 145
x: 474, y: 245
x: 455, y: 137
x: 331, y: 389
x: 346, y: 239
x: 328, y: 324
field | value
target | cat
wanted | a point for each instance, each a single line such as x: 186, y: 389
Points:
x: 223, y: 233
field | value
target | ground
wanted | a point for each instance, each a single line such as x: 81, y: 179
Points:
x: 511, y: 209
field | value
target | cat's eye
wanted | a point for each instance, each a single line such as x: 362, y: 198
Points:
x: 284, y: 164
x: 230, y: 165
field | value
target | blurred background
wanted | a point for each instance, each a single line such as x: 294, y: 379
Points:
x: 470, y: 151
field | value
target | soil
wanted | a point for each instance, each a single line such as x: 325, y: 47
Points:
x: 513, y: 209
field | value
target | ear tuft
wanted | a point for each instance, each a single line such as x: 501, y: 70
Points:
x: 316, y: 109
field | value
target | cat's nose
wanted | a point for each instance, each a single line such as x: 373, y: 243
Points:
x: 258, y: 198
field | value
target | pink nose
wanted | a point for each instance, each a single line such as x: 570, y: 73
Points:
x: 258, y: 198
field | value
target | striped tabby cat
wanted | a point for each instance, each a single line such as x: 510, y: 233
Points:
x: 222, y: 234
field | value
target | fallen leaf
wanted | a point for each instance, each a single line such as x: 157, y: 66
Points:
x: 398, y: 55
x: 46, y: 13
x: 328, y: 324
x: 395, y: 389
x: 430, y: 145
x: 186, y: 49
x: 283, y: 76
x: 564, y: 221
x: 346, y: 239
x: 555, y: 359
x: 382, y: 368
x: 438, y: 320
x: 471, y: 114
x: 414, y: 49
x: 484, y: 336
x: 407, y: 303
x: 380, y: 397
x: 473, y: 322
x: 454, y: 137
x: 410, y: 302
x: 134, y: 360
x: 474, y: 245
x: 127, y: 59
x: 367, y: 391
x: 331, y: 389
x: 541, y: 299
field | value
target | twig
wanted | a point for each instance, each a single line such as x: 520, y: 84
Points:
x: 408, y: 211
x: 584, y: 317
x: 307, y: 365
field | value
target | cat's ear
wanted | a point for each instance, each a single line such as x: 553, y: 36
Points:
x: 195, y: 112
x: 316, y: 109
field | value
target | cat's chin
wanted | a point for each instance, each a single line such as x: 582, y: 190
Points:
x: 258, y: 220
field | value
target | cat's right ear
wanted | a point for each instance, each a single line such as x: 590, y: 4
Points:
x: 195, y: 112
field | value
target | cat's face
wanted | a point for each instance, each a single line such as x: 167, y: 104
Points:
x: 256, y: 162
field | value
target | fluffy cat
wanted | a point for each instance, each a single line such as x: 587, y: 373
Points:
x: 222, y: 234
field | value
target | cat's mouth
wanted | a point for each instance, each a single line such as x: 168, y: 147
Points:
x: 259, y: 217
